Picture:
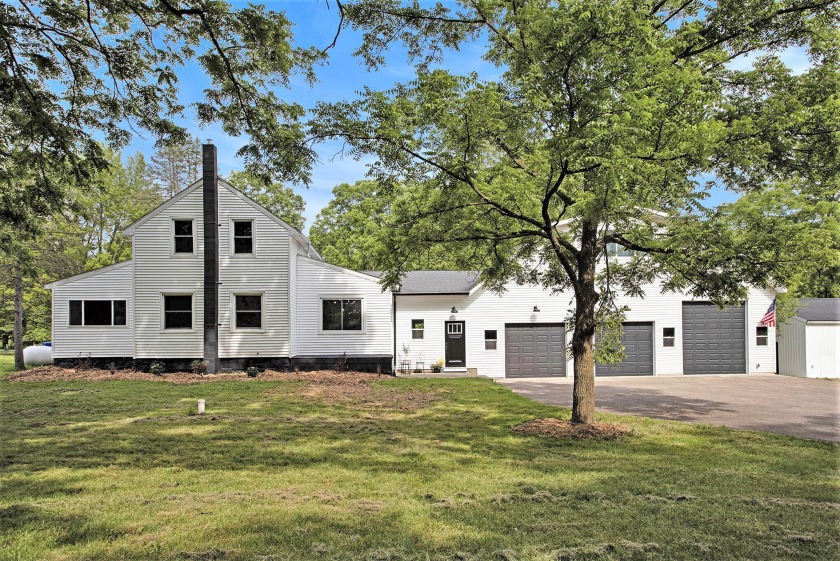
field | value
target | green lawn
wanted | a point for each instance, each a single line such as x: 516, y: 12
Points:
x: 120, y: 470
x: 7, y: 362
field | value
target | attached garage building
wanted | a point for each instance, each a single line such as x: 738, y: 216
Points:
x: 521, y: 332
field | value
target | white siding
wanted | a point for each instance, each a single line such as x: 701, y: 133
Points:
x: 760, y: 360
x: 265, y: 272
x: 315, y: 280
x: 157, y: 270
x: 485, y: 310
x: 95, y: 341
x: 296, y: 249
x: 823, y: 357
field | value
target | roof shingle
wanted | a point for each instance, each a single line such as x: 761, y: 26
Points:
x: 820, y: 309
x: 435, y: 282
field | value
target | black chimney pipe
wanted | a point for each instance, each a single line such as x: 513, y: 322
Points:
x: 210, y: 191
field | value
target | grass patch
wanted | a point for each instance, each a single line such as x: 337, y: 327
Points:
x: 7, y: 362
x: 275, y: 471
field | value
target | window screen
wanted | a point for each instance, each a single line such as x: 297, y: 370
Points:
x: 75, y: 312
x: 418, y: 326
x: 97, y: 312
x: 341, y: 315
x: 668, y: 336
x: 761, y: 336
x: 249, y: 311
x: 177, y: 312
x: 490, y: 339
x: 119, y: 312
x: 183, y: 236
x: 243, y: 236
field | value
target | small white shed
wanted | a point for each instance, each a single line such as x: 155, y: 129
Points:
x: 808, y: 342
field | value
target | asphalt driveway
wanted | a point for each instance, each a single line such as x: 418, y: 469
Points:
x: 801, y: 407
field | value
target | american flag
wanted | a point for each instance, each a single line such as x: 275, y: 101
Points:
x: 769, y: 318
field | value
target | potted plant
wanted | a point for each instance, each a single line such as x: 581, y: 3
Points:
x: 437, y: 365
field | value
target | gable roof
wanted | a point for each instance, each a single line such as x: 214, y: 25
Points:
x: 434, y: 282
x: 87, y: 274
x: 820, y: 309
x: 129, y: 230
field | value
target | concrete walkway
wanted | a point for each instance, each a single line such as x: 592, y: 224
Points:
x: 802, y: 407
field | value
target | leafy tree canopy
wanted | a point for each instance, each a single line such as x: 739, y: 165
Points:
x: 353, y: 230
x: 276, y: 197
x: 74, y: 71
x: 603, y: 117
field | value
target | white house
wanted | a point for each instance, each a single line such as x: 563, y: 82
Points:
x: 250, y: 290
x: 809, y: 341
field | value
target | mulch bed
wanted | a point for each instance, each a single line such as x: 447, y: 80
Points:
x: 557, y: 428
x: 322, y: 377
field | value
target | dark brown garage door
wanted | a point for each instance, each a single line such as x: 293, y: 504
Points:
x: 714, y: 340
x: 637, y: 339
x: 533, y: 350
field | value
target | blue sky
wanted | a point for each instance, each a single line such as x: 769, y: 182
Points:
x: 340, y: 78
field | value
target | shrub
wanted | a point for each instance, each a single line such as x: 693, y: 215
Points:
x: 157, y: 368
x: 252, y: 371
x: 85, y: 363
x: 341, y: 363
x: 112, y: 368
x: 199, y: 366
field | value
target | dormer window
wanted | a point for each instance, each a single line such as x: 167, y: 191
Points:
x: 243, y: 236
x: 183, y: 234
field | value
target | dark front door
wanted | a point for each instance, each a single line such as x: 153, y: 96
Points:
x: 456, y: 344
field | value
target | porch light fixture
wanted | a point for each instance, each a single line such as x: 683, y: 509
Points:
x: 454, y: 310
x: 536, y: 310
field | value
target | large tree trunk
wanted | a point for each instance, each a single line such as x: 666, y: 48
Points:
x: 18, y: 282
x: 583, y: 338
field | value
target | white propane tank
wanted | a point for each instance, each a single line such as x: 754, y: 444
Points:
x: 37, y: 355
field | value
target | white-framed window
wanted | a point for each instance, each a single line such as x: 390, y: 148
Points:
x: 618, y: 250
x: 669, y: 336
x: 342, y: 314
x: 183, y: 235
x: 491, y: 337
x: 762, y: 335
x: 97, y: 313
x: 247, y: 311
x: 418, y: 328
x: 454, y: 328
x: 177, y: 311
x: 242, y: 237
